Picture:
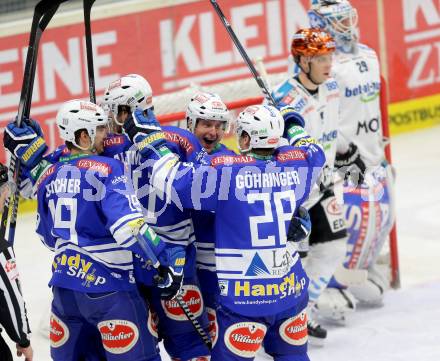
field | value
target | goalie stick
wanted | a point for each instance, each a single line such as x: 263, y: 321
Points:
x: 182, y: 304
x: 43, y: 13
x: 243, y: 53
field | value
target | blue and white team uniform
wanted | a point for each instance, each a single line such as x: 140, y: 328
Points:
x: 204, y: 227
x: 262, y: 285
x: 174, y: 226
x: 87, y: 211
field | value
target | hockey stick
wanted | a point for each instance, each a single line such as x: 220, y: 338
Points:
x: 182, y: 304
x: 243, y: 53
x: 89, y: 49
x: 43, y: 13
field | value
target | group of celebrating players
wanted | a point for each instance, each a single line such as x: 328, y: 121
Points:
x: 261, y: 246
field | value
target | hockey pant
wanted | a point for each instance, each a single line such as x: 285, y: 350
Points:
x: 210, y: 291
x: 180, y: 339
x: 283, y: 335
x: 118, y: 316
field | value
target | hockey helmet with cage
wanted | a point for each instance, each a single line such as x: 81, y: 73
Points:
x: 207, y: 106
x: 264, y: 125
x: 79, y: 114
x: 338, y: 17
x: 131, y: 90
x: 312, y: 42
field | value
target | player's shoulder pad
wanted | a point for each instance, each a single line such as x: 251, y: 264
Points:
x: 47, y: 173
x: 114, y: 140
x: 367, y: 51
x: 181, y: 141
x: 287, y: 153
x: 283, y: 89
x: 104, y: 166
x: 331, y: 85
x: 230, y: 160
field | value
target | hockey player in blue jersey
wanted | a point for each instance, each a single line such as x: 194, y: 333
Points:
x: 173, y: 224
x: 208, y: 119
x: 89, y: 215
x: 263, y: 287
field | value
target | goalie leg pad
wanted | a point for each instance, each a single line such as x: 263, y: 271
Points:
x: 336, y: 304
x: 371, y: 293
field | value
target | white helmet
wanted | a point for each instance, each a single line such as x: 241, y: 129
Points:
x: 78, y: 114
x: 131, y: 90
x: 263, y: 123
x: 339, y: 18
x: 207, y: 106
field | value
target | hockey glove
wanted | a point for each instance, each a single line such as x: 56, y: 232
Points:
x: 350, y: 165
x: 170, y: 272
x: 25, y: 142
x: 293, y: 125
x: 300, y: 226
x: 144, y: 131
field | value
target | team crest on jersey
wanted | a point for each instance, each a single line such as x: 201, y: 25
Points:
x: 192, y: 297
x: 118, y: 336
x: 100, y: 167
x: 59, y: 333
x: 212, y: 325
x: 153, y: 323
x: 294, y: 330
x: 245, y: 338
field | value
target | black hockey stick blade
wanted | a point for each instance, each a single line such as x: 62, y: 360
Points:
x: 243, y: 53
x: 89, y: 49
x: 199, y: 329
x: 43, y: 13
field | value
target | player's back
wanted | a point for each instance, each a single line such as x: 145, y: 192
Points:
x: 255, y: 263
x: 74, y: 199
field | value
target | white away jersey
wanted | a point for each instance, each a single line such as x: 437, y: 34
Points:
x: 358, y: 77
x: 321, y: 116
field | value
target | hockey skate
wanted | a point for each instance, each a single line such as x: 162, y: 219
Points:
x: 317, y: 333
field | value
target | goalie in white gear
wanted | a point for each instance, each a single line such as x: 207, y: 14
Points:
x: 360, y: 151
x: 315, y: 95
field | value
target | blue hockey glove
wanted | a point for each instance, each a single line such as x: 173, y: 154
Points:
x: 170, y: 271
x: 293, y: 123
x: 300, y: 226
x: 351, y: 165
x: 144, y: 131
x: 25, y: 142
